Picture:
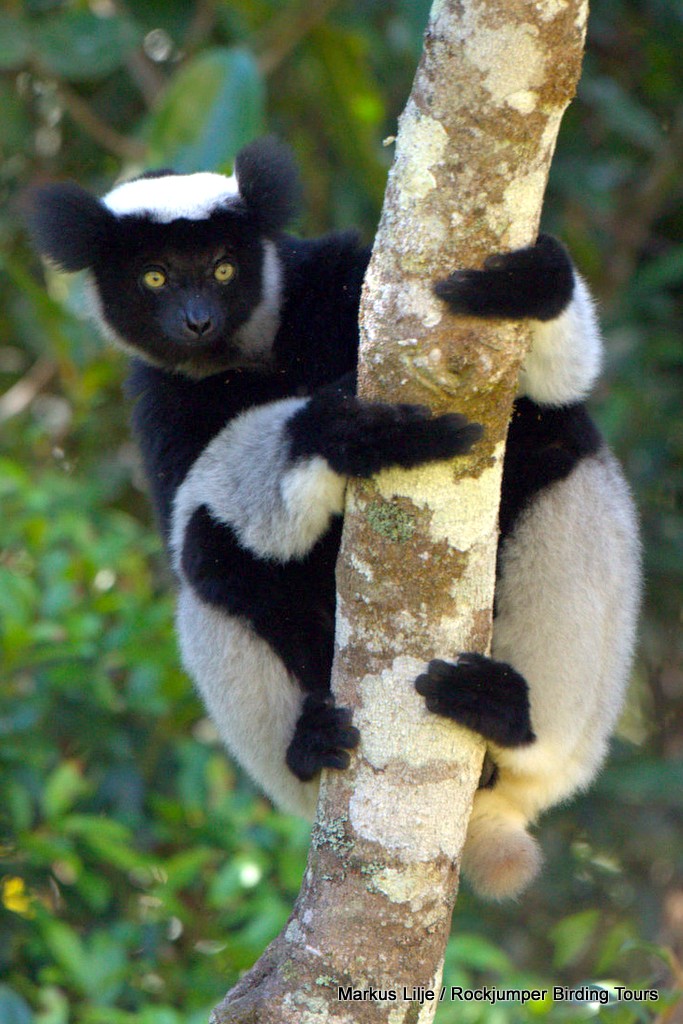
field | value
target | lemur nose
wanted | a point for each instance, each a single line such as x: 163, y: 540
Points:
x: 199, y: 325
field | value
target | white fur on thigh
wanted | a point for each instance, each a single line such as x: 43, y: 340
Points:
x: 567, y: 604
x: 567, y: 601
x: 252, y: 699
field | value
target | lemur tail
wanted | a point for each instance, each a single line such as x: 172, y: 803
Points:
x: 500, y: 858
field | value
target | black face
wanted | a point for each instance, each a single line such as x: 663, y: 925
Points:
x: 181, y: 295
x: 178, y: 293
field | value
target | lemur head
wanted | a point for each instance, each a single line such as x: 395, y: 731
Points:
x: 184, y: 269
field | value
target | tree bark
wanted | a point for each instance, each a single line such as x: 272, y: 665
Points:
x: 417, y: 567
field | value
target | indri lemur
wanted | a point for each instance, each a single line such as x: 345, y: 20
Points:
x: 244, y: 344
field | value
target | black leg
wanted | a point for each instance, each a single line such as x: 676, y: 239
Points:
x: 322, y: 738
x: 487, y: 696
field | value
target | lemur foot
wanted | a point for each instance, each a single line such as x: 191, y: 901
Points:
x: 487, y: 696
x: 535, y: 282
x: 322, y: 738
x: 358, y: 438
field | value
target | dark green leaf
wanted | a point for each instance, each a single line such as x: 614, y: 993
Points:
x: 17, y: 130
x: 622, y: 112
x: 77, y: 45
x: 15, y: 44
x: 645, y: 782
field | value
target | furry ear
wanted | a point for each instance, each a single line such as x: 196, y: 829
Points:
x: 68, y: 225
x: 268, y: 182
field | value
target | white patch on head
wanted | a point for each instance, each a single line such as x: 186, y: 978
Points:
x: 172, y: 196
x: 566, y: 353
x: 278, y: 508
x: 253, y: 701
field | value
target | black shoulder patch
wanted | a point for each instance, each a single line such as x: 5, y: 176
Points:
x: 544, y: 445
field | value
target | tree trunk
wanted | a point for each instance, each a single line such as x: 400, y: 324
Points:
x: 417, y: 567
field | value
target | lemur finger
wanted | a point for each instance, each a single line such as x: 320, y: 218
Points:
x: 345, y: 737
x: 438, y: 672
x: 333, y: 759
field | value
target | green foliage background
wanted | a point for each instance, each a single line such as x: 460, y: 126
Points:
x: 140, y: 872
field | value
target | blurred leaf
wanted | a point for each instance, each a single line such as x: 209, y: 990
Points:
x: 14, y: 1009
x: 185, y: 868
x: 622, y: 112
x: 213, y: 106
x: 118, y: 854
x: 664, y: 271
x: 645, y: 782
x: 172, y: 16
x: 94, y: 967
x: 77, y: 45
x: 412, y: 24
x: 68, y: 950
x: 18, y: 806
x: 53, y: 321
x: 654, y: 949
x: 15, y: 42
x: 54, y: 1006
x: 104, y: 829
x: 17, y: 130
x: 474, y: 951
x: 612, y: 947
x: 572, y: 936
x: 353, y: 103
x: 63, y: 788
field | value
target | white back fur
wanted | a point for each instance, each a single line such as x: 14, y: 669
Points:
x: 565, y: 356
x: 171, y: 196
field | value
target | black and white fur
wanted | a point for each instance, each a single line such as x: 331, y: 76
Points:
x: 249, y: 428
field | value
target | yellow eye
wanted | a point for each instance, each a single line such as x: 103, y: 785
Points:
x: 154, y: 279
x: 224, y: 271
